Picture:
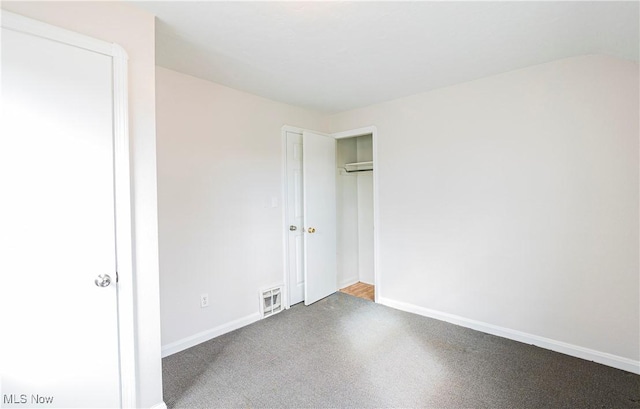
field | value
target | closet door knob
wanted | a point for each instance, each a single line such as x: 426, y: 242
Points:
x: 311, y: 229
x: 293, y: 228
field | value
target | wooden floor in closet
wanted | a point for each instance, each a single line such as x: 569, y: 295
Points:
x: 360, y: 290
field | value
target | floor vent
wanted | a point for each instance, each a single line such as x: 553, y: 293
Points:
x: 271, y: 301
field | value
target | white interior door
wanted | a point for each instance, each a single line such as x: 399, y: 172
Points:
x: 60, y: 329
x: 319, y: 214
x: 294, y: 218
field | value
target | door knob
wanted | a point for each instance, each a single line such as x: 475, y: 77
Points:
x: 311, y: 229
x: 293, y: 228
x: 103, y: 280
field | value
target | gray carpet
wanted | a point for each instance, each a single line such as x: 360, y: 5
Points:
x: 345, y: 352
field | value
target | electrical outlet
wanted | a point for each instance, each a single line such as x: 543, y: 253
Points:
x: 204, y: 300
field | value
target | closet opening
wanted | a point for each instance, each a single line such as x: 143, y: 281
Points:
x: 354, y: 213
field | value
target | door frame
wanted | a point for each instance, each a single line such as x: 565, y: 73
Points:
x: 122, y: 189
x: 368, y: 130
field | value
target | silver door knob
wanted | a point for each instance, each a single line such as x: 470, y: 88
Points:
x: 293, y: 228
x: 103, y: 280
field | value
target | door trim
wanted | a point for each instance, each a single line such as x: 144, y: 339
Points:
x: 338, y: 135
x: 373, y: 131
x: 122, y: 200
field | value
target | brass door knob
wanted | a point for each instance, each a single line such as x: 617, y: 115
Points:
x: 311, y: 229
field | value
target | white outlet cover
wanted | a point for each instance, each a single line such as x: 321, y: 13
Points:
x: 204, y: 300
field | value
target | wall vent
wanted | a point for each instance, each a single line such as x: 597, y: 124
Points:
x: 271, y: 301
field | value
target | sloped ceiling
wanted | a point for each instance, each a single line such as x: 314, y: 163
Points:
x: 336, y: 56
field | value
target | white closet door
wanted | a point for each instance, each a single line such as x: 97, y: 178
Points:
x: 294, y: 218
x: 319, y: 198
x: 60, y: 329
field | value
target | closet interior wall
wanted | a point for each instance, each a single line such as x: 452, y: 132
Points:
x: 354, y: 213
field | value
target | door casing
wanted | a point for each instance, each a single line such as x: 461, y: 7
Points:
x: 369, y: 130
x: 122, y: 192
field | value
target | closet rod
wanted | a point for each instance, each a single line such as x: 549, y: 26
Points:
x: 359, y: 170
x: 349, y: 167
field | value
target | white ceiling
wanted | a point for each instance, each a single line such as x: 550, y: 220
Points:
x: 335, y: 56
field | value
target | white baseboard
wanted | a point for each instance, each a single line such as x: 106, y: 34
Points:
x: 604, y: 358
x: 160, y: 405
x: 201, y: 337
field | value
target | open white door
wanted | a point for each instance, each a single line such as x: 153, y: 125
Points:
x: 319, y: 198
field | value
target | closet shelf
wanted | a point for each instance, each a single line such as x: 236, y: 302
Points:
x: 358, y: 167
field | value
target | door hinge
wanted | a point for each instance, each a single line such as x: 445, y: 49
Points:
x: 116, y: 276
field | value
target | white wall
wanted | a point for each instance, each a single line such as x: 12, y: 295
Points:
x: 513, y: 201
x: 219, y: 167
x: 134, y: 30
